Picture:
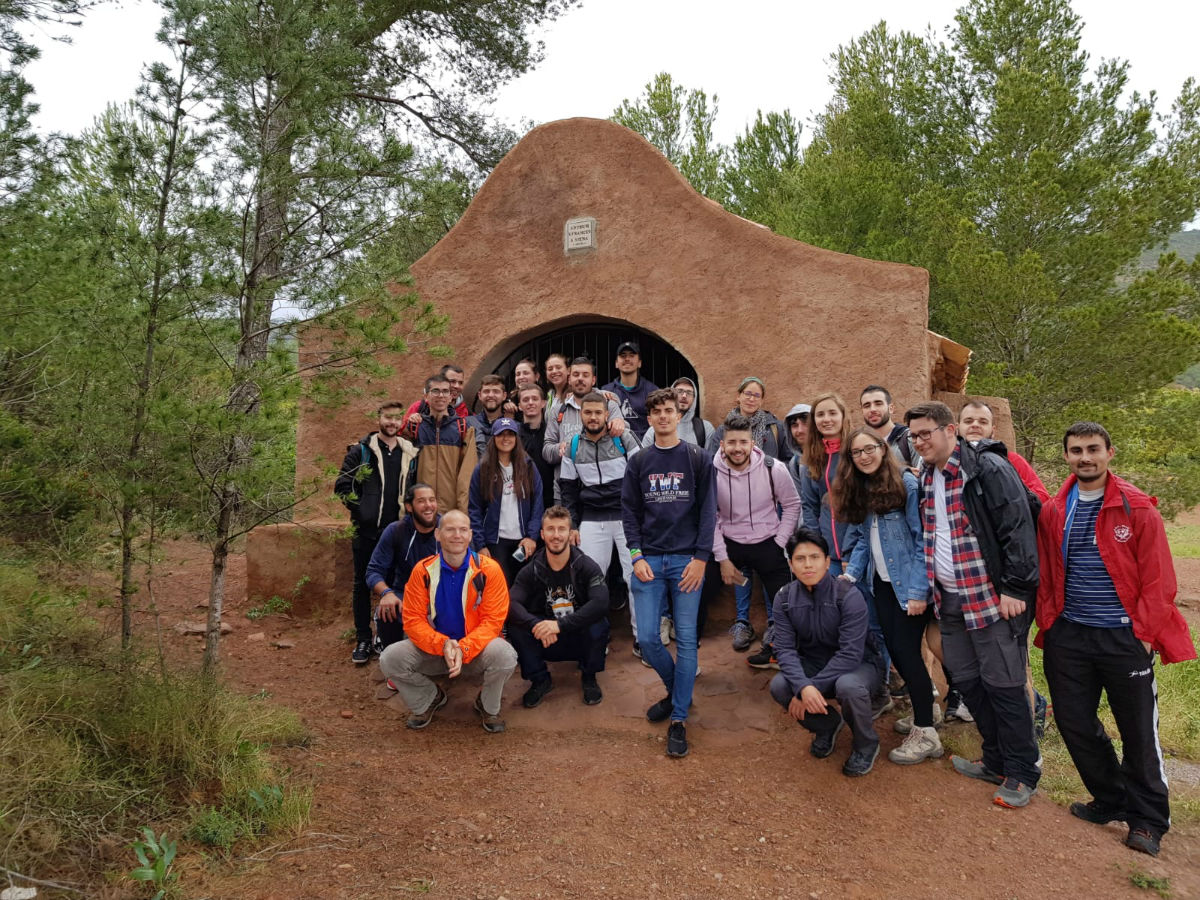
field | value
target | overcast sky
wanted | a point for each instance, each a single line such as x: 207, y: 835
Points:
x: 770, y: 54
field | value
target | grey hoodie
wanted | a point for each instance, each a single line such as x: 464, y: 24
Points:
x: 686, y: 430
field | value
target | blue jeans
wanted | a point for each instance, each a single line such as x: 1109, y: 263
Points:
x: 679, y: 674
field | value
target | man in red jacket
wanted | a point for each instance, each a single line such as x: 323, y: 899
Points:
x: 1105, y: 606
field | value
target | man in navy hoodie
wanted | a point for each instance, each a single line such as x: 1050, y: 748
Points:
x: 402, y: 545
x: 669, y: 507
x: 631, y: 389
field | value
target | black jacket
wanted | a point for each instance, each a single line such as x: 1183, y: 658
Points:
x: 528, y: 603
x: 997, y: 507
x: 360, y: 485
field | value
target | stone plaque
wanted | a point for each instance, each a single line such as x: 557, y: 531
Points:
x: 579, y: 234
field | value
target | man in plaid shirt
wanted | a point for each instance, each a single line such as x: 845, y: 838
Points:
x: 981, y: 560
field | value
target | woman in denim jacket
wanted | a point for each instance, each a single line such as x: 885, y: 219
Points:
x: 890, y: 559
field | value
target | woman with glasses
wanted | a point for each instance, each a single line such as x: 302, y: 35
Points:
x: 768, y: 431
x: 871, y: 491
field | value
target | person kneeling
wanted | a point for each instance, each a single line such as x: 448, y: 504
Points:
x: 559, y: 612
x: 454, y: 606
x: 825, y: 652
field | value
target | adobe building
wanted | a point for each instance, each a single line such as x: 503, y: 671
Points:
x: 583, y: 236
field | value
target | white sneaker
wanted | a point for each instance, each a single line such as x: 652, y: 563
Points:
x: 920, y: 745
x: 666, y: 630
x: 905, y: 725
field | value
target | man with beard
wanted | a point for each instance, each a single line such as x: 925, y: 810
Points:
x: 491, y: 398
x: 559, y: 612
x: 401, y: 546
x: 877, y: 412
x: 1105, y: 606
x: 977, y: 422
x: 566, y: 418
x: 692, y: 428
x: 631, y: 388
x: 372, y: 480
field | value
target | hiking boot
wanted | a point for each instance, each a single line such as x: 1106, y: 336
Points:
x: 536, y: 692
x: 660, y: 711
x: 956, y: 709
x: 361, y: 655
x: 896, y: 686
x: 975, y: 769
x: 861, y: 761
x: 822, y: 744
x: 492, y: 724
x: 1041, y: 710
x: 666, y: 630
x: 1096, y: 813
x: 1143, y: 840
x: 1013, y: 794
x: 881, y: 704
x: 920, y: 745
x: 763, y: 659
x: 905, y: 725
x: 417, y: 721
x: 591, y: 690
x: 677, y: 745
x: 742, y: 635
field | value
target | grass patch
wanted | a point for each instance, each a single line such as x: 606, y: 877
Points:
x: 1140, y: 878
x: 1184, y: 541
x: 96, y: 744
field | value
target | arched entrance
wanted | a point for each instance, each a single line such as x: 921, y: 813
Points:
x: 597, y: 339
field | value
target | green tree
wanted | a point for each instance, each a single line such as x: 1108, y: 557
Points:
x: 757, y: 165
x: 679, y: 122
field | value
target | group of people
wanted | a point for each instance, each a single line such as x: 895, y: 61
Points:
x: 486, y: 541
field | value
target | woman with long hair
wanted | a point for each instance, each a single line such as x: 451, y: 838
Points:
x: 828, y: 432
x: 871, y: 491
x: 505, y: 500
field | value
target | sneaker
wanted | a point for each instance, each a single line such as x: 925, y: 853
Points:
x: 537, y: 690
x: 660, y: 711
x: 881, y: 704
x: 591, y: 690
x: 896, y: 685
x: 666, y: 630
x: 823, y: 744
x: 637, y: 650
x: 391, y: 686
x: 742, y: 635
x: 769, y: 635
x: 492, y: 724
x: 975, y: 769
x: 763, y: 659
x: 1041, y: 709
x: 1012, y: 794
x: 1143, y: 840
x: 677, y: 745
x: 417, y: 721
x: 861, y: 761
x: 905, y: 724
x: 361, y: 654
x: 920, y: 745
x: 956, y: 710
x: 1096, y: 813
x: 377, y: 646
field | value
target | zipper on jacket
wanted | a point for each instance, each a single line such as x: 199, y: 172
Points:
x: 832, y: 518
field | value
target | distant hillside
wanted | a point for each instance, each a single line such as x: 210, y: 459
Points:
x: 1185, y: 243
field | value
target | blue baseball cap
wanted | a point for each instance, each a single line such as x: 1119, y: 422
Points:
x: 505, y: 424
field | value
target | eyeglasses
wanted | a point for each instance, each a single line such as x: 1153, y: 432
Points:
x: 752, y: 394
x: 685, y: 392
x: 870, y: 450
x: 925, y: 435
x: 440, y: 392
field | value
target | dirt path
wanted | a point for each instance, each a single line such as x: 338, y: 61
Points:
x: 578, y: 801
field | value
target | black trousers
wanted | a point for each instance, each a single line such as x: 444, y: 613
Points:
x: 585, y: 647
x: 1080, y: 662
x: 903, y: 635
x: 389, y: 633
x: 988, y: 667
x: 502, y: 552
x: 766, y: 559
x: 363, y: 545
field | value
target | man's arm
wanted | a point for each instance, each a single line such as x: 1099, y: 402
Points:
x: 414, y: 613
x: 383, y: 559
x: 786, y: 654
x: 706, y: 497
x: 1165, y: 628
x: 852, y: 642
x: 467, y: 461
x: 551, y: 440
x: 789, y: 502
x: 596, y: 606
x: 524, y: 587
x: 344, y: 487
x: 632, y: 504
x: 1016, y: 537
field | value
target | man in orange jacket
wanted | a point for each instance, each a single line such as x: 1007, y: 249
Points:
x: 1105, y: 606
x: 455, y: 604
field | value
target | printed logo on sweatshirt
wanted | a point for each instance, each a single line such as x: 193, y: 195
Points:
x: 1123, y: 533
x: 665, y: 487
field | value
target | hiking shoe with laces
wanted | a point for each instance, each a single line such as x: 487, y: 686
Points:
x: 861, y: 761
x: 492, y: 723
x: 1013, y: 794
x: 881, y: 704
x: 666, y: 629
x: 591, y: 690
x: 956, y: 709
x: 677, y: 745
x: 975, y: 769
x: 823, y: 744
x: 660, y: 711
x: 1096, y: 813
x: 763, y: 659
x: 905, y: 725
x: 920, y: 745
x: 419, y: 720
x: 361, y: 655
x: 536, y: 692
x: 1041, y: 710
x: 1143, y: 840
x: 742, y: 635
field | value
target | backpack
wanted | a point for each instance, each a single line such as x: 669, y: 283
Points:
x: 840, y: 590
x: 479, y: 582
x: 698, y: 430
x: 575, y: 446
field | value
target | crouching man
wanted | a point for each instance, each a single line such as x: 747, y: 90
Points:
x: 559, y: 612
x: 825, y: 652
x: 454, y: 606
